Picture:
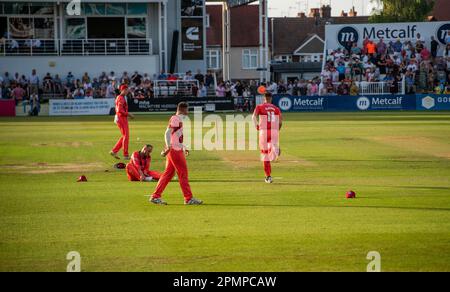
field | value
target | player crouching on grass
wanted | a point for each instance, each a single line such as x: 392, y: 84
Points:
x: 175, y: 159
x: 268, y: 121
x: 139, y: 167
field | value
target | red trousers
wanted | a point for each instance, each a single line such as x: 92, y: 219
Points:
x: 175, y: 162
x: 133, y: 173
x: 125, y: 138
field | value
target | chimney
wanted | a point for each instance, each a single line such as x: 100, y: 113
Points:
x: 325, y: 12
x: 314, y: 12
x: 353, y: 12
x: 344, y: 14
x: 301, y: 15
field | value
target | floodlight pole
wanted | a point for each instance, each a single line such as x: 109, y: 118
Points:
x: 226, y: 40
x: 264, y: 40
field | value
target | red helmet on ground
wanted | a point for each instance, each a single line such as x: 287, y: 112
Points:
x: 120, y: 166
x: 350, y: 195
x: 82, y: 179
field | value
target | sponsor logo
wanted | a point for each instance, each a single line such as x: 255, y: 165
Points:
x: 347, y: 34
x: 363, y: 103
x: 408, y: 32
x: 285, y: 104
x: 385, y: 102
x: 193, y: 33
x: 428, y: 102
x: 442, y: 33
x: 314, y: 103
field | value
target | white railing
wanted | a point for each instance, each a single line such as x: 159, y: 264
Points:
x: 75, y: 47
x: 106, y: 47
x: 28, y: 47
x: 169, y: 88
x: 377, y: 88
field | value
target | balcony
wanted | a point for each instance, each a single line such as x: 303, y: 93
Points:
x: 76, y: 47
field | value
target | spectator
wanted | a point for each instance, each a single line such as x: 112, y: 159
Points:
x: 18, y: 94
x: 434, y: 47
x: 199, y: 77
x: 34, y: 82
x: 48, y: 83
x: 136, y: 79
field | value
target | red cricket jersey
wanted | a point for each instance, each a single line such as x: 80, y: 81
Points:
x: 176, y: 132
x: 269, y: 116
x: 141, y: 163
x: 121, y: 107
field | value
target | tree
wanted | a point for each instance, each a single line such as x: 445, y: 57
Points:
x: 401, y: 10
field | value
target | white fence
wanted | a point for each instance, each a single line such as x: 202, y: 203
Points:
x: 169, y: 88
x: 75, y: 47
x: 378, y: 88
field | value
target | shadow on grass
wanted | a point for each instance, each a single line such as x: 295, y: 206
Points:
x: 319, y: 206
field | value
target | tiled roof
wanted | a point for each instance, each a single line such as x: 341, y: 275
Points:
x: 244, y: 26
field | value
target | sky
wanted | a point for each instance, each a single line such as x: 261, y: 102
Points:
x: 281, y: 8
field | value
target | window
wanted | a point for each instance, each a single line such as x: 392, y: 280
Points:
x: 75, y: 28
x: 208, y: 19
x: 94, y: 9
x: 20, y: 28
x: 284, y: 58
x: 311, y: 58
x: 42, y: 8
x: 17, y: 8
x: 44, y: 28
x: 115, y: 9
x: 136, y: 28
x: 249, y: 59
x: 137, y: 8
x: 213, y: 59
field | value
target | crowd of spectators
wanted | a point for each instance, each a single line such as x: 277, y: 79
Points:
x: 21, y: 87
x: 424, y: 67
x: 421, y: 67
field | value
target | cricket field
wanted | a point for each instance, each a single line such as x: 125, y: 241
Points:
x: 397, y: 163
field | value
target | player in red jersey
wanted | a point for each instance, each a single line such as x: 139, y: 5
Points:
x: 139, y: 167
x: 175, y: 159
x: 121, y: 119
x: 268, y: 121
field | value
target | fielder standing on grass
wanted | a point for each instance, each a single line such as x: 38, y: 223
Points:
x: 268, y: 121
x: 121, y: 120
x: 175, y: 153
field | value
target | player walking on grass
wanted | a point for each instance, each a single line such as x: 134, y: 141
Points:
x: 268, y: 121
x: 121, y: 119
x: 175, y: 153
x: 139, y: 167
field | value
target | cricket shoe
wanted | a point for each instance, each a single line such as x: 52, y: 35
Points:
x: 194, y: 201
x: 114, y: 155
x: 269, y: 180
x: 158, y: 201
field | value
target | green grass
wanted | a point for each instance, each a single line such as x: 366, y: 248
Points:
x: 398, y: 163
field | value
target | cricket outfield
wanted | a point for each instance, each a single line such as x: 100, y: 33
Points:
x: 397, y: 163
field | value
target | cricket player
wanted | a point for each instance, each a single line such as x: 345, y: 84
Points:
x: 121, y: 119
x: 139, y: 167
x: 268, y: 121
x: 175, y: 153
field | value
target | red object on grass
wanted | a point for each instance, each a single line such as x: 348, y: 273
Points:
x: 82, y: 179
x: 351, y: 195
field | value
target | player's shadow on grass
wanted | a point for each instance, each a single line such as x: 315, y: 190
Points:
x: 327, y: 206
